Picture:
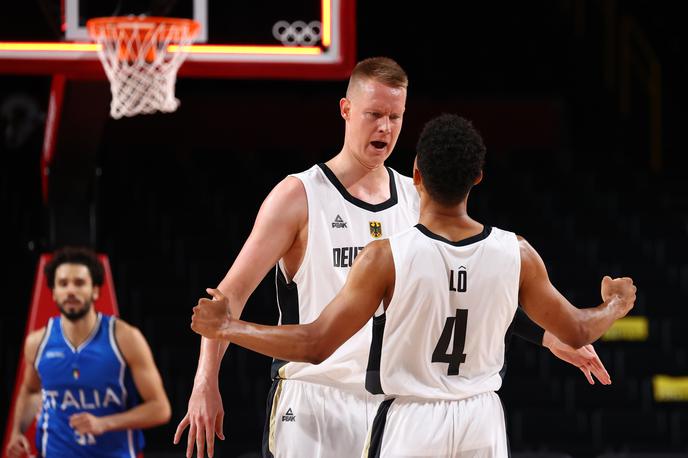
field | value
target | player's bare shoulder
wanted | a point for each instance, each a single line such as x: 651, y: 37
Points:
x: 130, y: 339
x: 531, y: 262
x: 33, y: 340
x: 289, y: 196
x: 376, y: 259
x: 377, y: 251
x: 526, y: 249
x: 125, y: 332
x: 528, y: 254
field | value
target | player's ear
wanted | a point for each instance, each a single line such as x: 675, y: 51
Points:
x: 345, y: 108
x: 479, y: 179
x: 96, y: 292
x: 417, y: 178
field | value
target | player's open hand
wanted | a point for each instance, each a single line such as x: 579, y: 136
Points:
x: 211, y: 317
x: 620, y: 292
x: 584, y: 358
x: 204, y: 418
x: 85, y: 423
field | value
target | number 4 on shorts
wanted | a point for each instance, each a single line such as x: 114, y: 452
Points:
x: 454, y: 325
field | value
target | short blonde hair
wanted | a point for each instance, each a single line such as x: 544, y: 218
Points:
x: 381, y: 69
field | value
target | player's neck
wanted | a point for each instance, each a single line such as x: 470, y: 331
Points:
x: 78, y: 331
x: 370, y: 184
x: 451, y: 222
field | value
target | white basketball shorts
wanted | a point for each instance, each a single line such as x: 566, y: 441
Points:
x: 415, y: 427
x: 308, y: 420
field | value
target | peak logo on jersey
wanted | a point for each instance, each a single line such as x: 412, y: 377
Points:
x: 76, y: 373
x: 376, y: 229
x: 289, y: 416
x: 339, y: 222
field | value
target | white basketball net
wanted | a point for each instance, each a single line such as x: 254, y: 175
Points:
x: 141, y: 69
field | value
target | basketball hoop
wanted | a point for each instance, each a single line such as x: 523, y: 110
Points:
x: 135, y: 53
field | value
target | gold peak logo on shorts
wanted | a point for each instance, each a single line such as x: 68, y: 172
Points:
x: 289, y: 416
x: 376, y: 229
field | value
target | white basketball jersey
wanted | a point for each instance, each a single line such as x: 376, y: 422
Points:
x: 339, y: 226
x: 442, y: 335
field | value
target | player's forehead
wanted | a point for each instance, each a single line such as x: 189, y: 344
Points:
x: 70, y: 271
x: 371, y: 87
x: 369, y: 94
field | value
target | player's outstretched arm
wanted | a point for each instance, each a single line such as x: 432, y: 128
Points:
x: 280, y: 223
x: 18, y: 444
x: 548, y: 308
x: 369, y: 283
x: 154, y: 408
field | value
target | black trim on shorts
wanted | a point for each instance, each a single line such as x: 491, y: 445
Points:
x: 372, y: 382
x: 473, y: 239
x: 268, y: 413
x: 288, y: 303
x: 393, y: 197
x: 378, y: 429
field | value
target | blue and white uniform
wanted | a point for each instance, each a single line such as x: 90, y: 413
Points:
x: 92, y: 378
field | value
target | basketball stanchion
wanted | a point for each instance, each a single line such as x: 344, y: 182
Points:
x: 141, y: 56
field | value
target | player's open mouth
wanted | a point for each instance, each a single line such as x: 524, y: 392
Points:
x: 378, y: 144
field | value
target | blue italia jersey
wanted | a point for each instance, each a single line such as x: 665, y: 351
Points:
x: 92, y: 378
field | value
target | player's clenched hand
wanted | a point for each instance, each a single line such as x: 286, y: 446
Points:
x: 204, y: 417
x: 620, y: 292
x: 211, y: 317
x: 18, y: 446
x: 584, y: 358
x: 85, y: 423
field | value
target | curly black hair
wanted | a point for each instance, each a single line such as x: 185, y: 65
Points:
x: 450, y: 156
x: 75, y: 255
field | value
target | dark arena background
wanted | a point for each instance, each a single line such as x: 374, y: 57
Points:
x: 582, y: 107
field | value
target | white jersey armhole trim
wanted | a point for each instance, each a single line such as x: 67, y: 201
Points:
x: 44, y: 342
x: 120, y: 357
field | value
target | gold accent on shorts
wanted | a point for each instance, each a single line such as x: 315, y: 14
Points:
x: 366, y: 449
x: 273, y: 417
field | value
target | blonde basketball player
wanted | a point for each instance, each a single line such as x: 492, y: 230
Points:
x: 450, y: 288
x: 324, y: 217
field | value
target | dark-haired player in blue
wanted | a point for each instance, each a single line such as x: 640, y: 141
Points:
x: 96, y: 375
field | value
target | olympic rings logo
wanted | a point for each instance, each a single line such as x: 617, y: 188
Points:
x: 298, y: 33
